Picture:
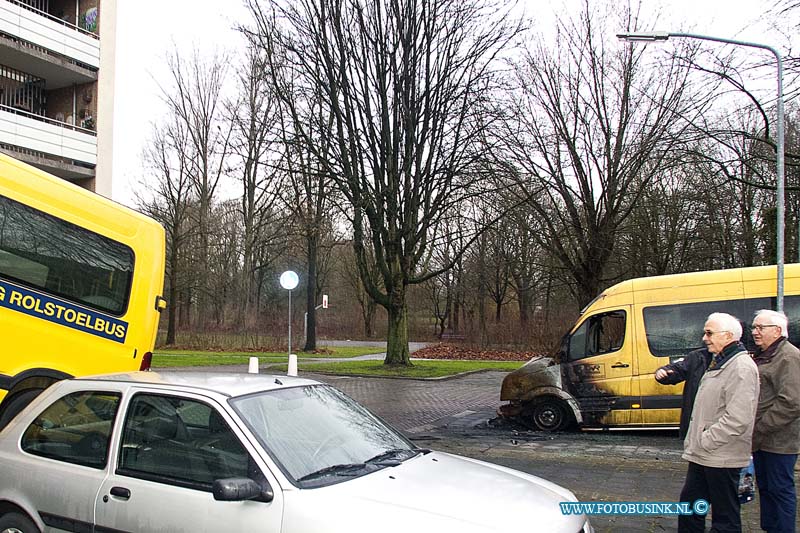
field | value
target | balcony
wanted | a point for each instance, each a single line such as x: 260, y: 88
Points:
x: 42, y: 30
x: 47, y: 136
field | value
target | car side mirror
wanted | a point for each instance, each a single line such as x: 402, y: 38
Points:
x: 239, y: 489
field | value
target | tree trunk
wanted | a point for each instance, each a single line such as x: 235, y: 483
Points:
x: 172, y: 309
x: 397, y: 340
x: 311, y: 295
x: 368, y: 314
x: 482, y: 286
x: 456, y: 323
x: 523, y: 309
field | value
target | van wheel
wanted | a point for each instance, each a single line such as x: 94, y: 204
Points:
x: 17, y: 523
x: 11, y: 407
x: 550, y: 415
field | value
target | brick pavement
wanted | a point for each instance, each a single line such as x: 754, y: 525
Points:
x: 418, y: 406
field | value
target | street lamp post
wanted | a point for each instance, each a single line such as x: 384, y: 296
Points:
x: 663, y: 36
x: 289, y: 281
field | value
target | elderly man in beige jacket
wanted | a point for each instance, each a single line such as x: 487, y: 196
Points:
x: 718, y: 442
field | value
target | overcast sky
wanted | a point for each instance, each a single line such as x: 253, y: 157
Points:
x: 148, y: 29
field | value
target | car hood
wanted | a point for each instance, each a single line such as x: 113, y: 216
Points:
x: 435, y: 492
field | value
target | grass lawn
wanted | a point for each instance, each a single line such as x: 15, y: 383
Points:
x: 421, y: 369
x: 172, y: 358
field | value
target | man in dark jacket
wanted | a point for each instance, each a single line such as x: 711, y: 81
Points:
x: 776, y: 436
x: 689, y: 369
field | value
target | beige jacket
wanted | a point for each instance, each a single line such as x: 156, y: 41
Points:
x: 777, y: 427
x: 721, y: 428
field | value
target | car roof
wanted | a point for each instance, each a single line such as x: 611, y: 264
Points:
x: 229, y: 384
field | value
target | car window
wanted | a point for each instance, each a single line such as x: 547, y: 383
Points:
x: 599, y: 334
x: 75, y: 429
x: 181, y: 442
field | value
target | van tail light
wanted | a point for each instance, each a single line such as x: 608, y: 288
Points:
x: 147, y: 358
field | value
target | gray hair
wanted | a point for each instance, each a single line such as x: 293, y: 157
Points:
x: 728, y: 323
x: 779, y: 319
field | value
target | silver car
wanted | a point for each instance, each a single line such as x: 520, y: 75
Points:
x: 183, y: 451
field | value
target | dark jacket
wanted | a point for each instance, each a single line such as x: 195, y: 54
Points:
x: 777, y: 427
x: 689, y: 369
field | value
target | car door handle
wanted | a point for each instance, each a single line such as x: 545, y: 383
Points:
x: 620, y: 365
x: 120, y: 492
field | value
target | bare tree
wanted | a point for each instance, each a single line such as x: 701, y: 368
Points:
x: 589, y: 124
x: 523, y: 255
x: 661, y: 235
x: 498, y: 266
x: 255, y: 119
x: 311, y: 200
x: 169, y: 201
x: 194, y: 96
x: 406, y: 83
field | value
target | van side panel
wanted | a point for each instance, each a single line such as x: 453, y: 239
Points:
x: 31, y: 342
x: 661, y: 404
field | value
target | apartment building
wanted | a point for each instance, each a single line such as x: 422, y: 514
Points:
x: 56, y: 87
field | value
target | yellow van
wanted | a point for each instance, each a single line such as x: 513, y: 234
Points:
x: 602, y: 376
x: 81, y: 279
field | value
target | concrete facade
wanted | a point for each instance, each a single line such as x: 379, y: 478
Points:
x: 57, y: 87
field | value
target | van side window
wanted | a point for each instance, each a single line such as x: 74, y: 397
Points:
x: 49, y: 254
x: 599, y: 334
x: 677, y: 329
x: 791, y: 307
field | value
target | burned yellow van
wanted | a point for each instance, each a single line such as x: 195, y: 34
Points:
x: 602, y: 376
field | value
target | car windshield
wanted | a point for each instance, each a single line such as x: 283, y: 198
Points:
x: 319, y: 436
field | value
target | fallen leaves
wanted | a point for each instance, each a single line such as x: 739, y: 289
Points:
x: 450, y: 351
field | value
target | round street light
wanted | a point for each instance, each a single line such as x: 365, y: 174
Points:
x: 289, y: 280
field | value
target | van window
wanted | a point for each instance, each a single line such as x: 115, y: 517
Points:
x: 599, y: 334
x: 60, y: 258
x: 678, y: 329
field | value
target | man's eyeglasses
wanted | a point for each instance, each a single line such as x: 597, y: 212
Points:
x: 709, y: 333
x: 760, y: 327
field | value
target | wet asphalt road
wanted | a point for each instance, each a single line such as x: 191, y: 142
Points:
x: 457, y: 415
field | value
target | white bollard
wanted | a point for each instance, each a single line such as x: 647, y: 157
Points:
x: 292, y: 371
x: 252, y: 368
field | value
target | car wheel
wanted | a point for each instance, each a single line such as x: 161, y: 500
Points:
x: 11, y: 407
x: 17, y: 523
x: 550, y: 415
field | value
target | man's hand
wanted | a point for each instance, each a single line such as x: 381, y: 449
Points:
x: 661, y: 373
